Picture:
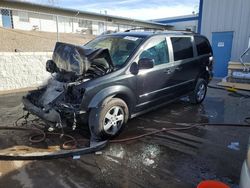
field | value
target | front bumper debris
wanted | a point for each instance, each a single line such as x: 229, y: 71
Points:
x: 45, y: 154
x: 50, y: 115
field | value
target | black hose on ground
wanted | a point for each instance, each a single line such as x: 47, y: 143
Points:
x: 178, y: 128
x: 64, y: 153
x: 70, y: 147
x: 68, y: 144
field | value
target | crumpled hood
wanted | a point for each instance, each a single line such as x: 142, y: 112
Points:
x: 78, y: 59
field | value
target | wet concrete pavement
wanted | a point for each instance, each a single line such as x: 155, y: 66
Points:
x: 174, y: 159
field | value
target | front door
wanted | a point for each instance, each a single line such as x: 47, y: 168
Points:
x: 153, y: 84
x: 222, y: 46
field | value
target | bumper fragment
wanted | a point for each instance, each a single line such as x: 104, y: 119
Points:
x: 50, y: 115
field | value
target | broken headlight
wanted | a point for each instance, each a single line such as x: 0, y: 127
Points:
x: 51, y: 66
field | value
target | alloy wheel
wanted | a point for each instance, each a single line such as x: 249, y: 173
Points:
x: 113, y: 120
x: 201, y: 92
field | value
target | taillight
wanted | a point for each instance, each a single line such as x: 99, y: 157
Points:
x: 211, y: 60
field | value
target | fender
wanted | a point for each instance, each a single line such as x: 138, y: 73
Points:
x: 206, y: 74
x: 109, y: 92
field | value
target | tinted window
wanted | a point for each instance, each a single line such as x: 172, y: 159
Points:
x: 202, y: 45
x: 157, y: 50
x: 182, y: 47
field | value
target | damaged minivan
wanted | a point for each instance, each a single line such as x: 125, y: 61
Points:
x: 119, y: 76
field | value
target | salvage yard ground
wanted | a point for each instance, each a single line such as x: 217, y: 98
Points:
x: 174, y: 159
x: 36, y: 41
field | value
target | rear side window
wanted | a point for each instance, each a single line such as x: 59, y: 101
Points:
x: 183, y: 48
x: 202, y: 45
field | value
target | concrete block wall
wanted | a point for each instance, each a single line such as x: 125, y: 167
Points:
x: 20, y: 70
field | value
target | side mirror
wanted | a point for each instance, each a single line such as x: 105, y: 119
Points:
x: 51, y: 66
x: 134, y: 69
x: 146, y: 63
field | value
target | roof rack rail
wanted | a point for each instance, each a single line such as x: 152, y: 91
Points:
x: 145, y: 28
x: 185, y: 31
x: 159, y: 30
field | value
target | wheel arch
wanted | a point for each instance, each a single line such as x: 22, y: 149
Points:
x: 127, y: 99
x: 203, y: 74
x: 122, y: 92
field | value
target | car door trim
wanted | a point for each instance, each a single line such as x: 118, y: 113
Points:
x: 166, y: 88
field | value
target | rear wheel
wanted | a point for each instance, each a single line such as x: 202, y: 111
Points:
x: 109, y: 119
x: 199, y: 93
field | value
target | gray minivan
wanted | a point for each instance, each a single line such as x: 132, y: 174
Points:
x: 119, y: 76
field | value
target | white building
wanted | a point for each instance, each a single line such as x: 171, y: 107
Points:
x: 30, y: 16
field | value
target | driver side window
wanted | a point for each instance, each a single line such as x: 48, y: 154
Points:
x: 157, y: 50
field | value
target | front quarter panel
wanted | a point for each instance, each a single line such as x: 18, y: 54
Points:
x: 110, y: 92
x: 117, y: 83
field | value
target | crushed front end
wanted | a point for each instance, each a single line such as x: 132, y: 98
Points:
x: 59, y: 102
x: 54, y: 104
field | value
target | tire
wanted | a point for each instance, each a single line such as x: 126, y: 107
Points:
x: 199, y: 93
x: 108, y: 120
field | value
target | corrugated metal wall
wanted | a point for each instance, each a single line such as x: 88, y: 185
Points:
x: 228, y: 15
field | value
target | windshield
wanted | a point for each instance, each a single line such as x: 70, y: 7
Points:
x: 120, y: 47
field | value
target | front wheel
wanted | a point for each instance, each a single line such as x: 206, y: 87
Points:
x: 109, y: 119
x: 199, y: 93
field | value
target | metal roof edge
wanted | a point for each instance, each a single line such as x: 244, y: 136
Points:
x: 14, y: 3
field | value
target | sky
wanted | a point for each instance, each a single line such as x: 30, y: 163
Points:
x: 136, y: 9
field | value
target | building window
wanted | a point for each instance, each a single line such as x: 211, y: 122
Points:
x: 85, y: 23
x: 23, y: 16
x: 101, y: 27
x: 5, y: 12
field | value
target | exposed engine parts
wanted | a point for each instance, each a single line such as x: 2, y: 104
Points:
x: 58, y: 102
x: 76, y: 62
